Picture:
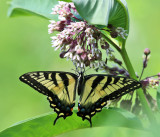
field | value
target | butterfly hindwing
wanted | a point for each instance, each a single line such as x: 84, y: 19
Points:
x: 98, y: 89
x: 60, y: 87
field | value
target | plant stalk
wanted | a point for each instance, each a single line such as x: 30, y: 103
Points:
x: 140, y: 93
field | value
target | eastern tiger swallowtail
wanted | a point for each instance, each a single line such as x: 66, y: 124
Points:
x: 94, y: 90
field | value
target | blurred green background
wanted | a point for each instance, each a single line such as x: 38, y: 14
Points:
x: 25, y: 46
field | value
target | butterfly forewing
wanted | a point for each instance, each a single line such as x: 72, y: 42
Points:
x: 60, y: 87
x: 98, y: 89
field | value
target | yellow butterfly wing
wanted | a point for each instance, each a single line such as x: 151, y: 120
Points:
x: 60, y: 87
x: 98, y: 89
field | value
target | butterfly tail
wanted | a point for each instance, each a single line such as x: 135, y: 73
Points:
x: 56, y: 120
x: 90, y: 121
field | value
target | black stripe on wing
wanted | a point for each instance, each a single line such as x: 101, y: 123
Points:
x: 94, y: 85
x: 32, y: 78
x: 65, y: 82
x: 26, y: 78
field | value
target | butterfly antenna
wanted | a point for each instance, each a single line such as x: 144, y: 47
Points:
x: 56, y: 120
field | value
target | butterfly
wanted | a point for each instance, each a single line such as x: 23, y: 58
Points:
x: 93, y: 90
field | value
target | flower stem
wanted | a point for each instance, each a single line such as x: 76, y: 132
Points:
x: 142, y: 98
x: 144, y: 66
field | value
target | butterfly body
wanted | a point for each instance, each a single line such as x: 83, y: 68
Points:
x: 94, y: 90
x: 80, y: 83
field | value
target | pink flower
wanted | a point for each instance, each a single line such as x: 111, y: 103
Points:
x: 84, y: 56
x: 79, y: 51
x: 79, y: 41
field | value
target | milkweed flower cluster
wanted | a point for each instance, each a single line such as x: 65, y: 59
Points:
x: 147, y: 83
x: 151, y: 82
x: 81, y: 42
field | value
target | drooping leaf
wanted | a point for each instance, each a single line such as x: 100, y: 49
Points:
x: 104, y: 12
x: 41, y: 8
x: 43, y: 125
x: 158, y: 97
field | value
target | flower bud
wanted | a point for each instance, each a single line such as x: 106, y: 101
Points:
x: 79, y: 51
x: 118, y: 61
x: 102, y: 46
x: 106, y: 46
x: 110, y: 26
x: 158, y: 74
x: 87, y: 63
x: 121, y: 71
x: 145, y: 83
x: 114, y: 34
x: 84, y: 56
x: 106, y: 68
x: 147, y: 51
x: 127, y: 74
x: 114, y: 69
x: 62, y: 54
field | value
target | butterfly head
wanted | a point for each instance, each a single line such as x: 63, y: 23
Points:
x: 80, y: 71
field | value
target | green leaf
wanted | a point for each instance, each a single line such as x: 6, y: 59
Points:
x: 104, y: 12
x: 127, y: 115
x: 41, y: 8
x: 43, y: 125
x: 158, y: 97
x: 107, y: 132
